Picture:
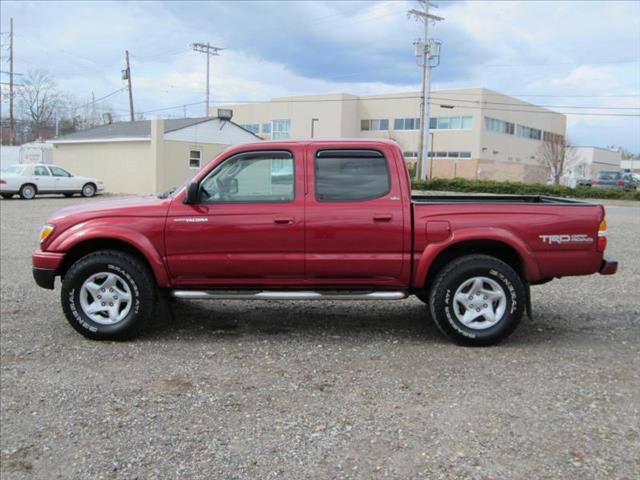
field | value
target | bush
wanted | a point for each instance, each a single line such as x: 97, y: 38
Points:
x: 517, y: 188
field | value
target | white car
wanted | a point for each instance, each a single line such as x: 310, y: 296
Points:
x: 29, y: 180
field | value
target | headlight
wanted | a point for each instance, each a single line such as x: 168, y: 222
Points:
x: 46, y: 232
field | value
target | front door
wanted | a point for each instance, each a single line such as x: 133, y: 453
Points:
x: 63, y: 181
x: 355, y: 233
x: 247, y: 229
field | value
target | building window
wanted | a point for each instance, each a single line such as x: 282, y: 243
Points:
x: 252, y: 127
x: 381, y: 124
x: 280, y: 129
x: 451, y: 123
x: 410, y: 154
x: 194, y: 158
x: 406, y: 124
x: 266, y: 128
x: 450, y: 154
x: 528, y: 132
x: 552, y: 137
x: 498, y: 126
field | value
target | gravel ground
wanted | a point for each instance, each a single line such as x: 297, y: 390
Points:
x: 232, y: 390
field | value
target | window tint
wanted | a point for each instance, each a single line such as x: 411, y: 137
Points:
x: 350, y: 175
x: 59, y: 172
x: 257, y: 177
x: 40, y: 171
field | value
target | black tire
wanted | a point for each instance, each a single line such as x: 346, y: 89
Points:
x: 7, y: 196
x: 88, y: 190
x: 132, y: 271
x: 423, y: 296
x: 68, y: 195
x: 28, y: 191
x: 453, y: 276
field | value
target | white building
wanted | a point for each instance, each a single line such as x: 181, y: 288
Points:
x: 586, y: 162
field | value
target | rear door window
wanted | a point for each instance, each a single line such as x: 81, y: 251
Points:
x: 351, y: 175
x: 40, y: 171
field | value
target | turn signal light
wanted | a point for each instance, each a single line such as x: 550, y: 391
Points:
x: 46, y: 232
x: 602, y: 236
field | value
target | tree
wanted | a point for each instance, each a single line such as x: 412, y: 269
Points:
x: 555, y: 154
x: 39, y: 100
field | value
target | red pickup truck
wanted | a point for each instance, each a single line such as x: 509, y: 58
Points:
x: 316, y: 219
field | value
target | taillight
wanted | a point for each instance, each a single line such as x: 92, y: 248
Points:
x: 594, y: 182
x: 602, y: 236
x: 620, y: 182
x: 3, y: 182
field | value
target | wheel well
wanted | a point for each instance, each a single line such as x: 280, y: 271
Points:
x: 93, y: 245
x: 35, y: 187
x: 499, y: 250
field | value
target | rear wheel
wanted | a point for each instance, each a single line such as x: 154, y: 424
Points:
x: 477, y: 300
x: 88, y: 190
x: 28, y: 191
x: 108, y: 295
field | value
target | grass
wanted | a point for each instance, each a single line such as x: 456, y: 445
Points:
x: 518, y: 188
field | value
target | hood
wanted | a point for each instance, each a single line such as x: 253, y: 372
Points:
x: 149, y: 206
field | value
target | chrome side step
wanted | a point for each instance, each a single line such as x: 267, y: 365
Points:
x: 287, y: 295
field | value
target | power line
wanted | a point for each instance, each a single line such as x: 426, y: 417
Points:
x: 172, y: 108
x: 93, y: 102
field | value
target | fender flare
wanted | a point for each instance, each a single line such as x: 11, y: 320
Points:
x: 82, y: 233
x: 499, y: 235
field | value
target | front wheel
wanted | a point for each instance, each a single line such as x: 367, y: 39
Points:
x: 477, y: 300
x: 108, y: 295
x: 89, y: 190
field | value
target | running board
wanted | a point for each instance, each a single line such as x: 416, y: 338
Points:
x: 285, y: 295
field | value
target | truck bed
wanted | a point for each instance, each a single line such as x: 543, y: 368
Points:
x: 501, y: 199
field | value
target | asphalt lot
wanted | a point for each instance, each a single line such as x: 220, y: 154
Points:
x: 236, y: 390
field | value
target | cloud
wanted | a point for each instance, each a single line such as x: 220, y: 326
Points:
x: 289, y: 48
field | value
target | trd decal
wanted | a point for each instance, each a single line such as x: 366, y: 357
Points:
x: 566, y: 238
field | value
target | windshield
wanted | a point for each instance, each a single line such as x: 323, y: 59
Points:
x: 607, y: 175
x: 15, y: 169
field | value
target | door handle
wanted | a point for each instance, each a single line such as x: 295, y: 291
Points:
x: 382, y: 217
x: 283, y: 220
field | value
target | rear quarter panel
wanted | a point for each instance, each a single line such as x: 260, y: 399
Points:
x: 551, y: 240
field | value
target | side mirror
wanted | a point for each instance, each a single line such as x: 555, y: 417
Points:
x: 193, y: 189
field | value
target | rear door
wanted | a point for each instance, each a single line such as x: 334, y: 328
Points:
x: 354, y: 218
x: 43, y: 179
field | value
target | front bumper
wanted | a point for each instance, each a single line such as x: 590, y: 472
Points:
x: 45, y: 267
x: 44, y: 277
x: 608, y: 267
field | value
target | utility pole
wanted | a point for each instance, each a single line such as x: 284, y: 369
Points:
x: 209, y: 50
x: 126, y: 74
x: 427, y: 54
x: 12, y: 134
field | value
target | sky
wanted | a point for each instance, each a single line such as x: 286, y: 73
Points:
x: 576, y: 57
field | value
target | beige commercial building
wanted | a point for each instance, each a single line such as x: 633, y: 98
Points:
x: 146, y: 156
x: 475, y: 133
